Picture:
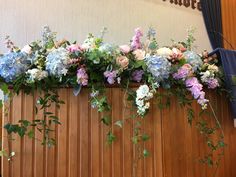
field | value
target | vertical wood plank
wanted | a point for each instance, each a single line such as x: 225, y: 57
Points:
x: 73, y: 135
x: 17, y: 106
x: 62, y: 148
x: 84, y: 134
x: 117, y: 145
x: 27, y: 151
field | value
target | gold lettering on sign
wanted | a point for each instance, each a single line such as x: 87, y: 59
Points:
x: 194, y: 4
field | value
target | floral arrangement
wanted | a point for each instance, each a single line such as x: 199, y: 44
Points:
x: 48, y: 64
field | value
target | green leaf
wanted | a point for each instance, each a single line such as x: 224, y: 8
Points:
x: 145, y: 137
x: 110, y: 137
x: 135, y: 139
x: 106, y: 120
x: 146, y: 153
x: 3, y: 153
x: 4, y: 88
x: 153, y: 45
x: 30, y: 134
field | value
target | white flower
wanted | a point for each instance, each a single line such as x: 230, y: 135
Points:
x: 147, y: 105
x: 142, y: 91
x: 165, y: 52
x: 89, y: 43
x: 27, y: 49
x: 36, y: 74
x: 139, y: 102
x: 213, y: 68
x: 205, y: 76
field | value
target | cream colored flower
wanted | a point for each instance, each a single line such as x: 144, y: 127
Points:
x: 139, y: 54
x: 122, y: 61
x: 165, y: 52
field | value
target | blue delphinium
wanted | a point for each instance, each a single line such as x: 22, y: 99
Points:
x: 193, y: 59
x: 159, y: 67
x: 13, y: 64
x: 57, y: 62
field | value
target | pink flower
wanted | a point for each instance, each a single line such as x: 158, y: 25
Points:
x: 136, y: 41
x: 183, y: 72
x: 82, y: 77
x: 139, y: 54
x: 111, y: 76
x: 74, y: 48
x: 176, y: 53
x: 122, y: 61
x: 125, y: 49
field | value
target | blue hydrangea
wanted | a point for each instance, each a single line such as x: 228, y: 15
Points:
x: 193, y: 59
x: 57, y: 62
x: 159, y: 67
x: 13, y: 64
x: 108, y: 48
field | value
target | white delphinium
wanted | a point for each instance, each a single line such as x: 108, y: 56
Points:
x: 36, y: 75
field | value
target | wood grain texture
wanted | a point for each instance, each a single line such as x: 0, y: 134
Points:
x: 228, y: 23
x: 81, y: 150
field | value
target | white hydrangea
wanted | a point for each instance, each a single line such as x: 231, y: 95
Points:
x: 36, y: 75
x: 143, y: 94
x: 142, y: 91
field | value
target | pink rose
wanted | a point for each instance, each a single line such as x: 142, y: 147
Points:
x: 125, y: 49
x: 139, y: 54
x: 74, y: 48
x: 122, y: 61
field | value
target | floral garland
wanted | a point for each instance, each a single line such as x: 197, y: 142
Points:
x: 48, y: 64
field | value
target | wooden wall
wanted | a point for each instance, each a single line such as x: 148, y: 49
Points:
x: 229, y: 22
x: 81, y: 150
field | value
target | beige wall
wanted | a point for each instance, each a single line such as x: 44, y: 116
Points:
x: 74, y: 19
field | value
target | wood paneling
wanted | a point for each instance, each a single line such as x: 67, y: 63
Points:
x: 81, y: 150
x: 229, y: 23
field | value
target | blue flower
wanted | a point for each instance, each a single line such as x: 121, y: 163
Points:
x: 13, y: 64
x: 57, y: 62
x: 159, y: 67
x: 193, y: 59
